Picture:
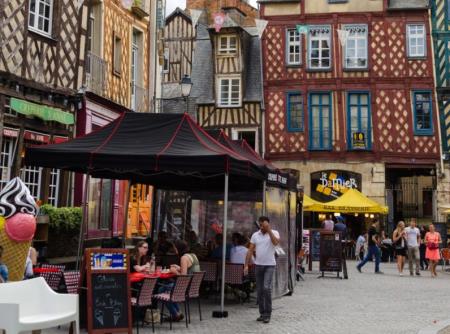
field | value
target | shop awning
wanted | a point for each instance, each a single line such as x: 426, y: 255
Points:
x: 41, y: 111
x: 352, y: 201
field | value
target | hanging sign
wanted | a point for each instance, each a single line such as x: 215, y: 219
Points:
x: 359, y: 141
x: 327, y: 185
x: 302, y: 29
x: 42, y: 111
x: 219, y: 20
x: 12, y: 133
x: 35, y: 136
x: 261, y: 26
x: 343, y: 36
x: 59, y: 140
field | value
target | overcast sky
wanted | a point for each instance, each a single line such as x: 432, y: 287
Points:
x: 172, y: 4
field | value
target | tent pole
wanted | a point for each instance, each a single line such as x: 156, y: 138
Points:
x: 222, y: 313
x: 264, y: 199
x: 84, y: 221
x: 125, y: 214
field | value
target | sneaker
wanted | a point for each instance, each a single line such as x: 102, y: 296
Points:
x: 261, y: 318
x: 411, y: 274
x: 417, y: 274
x: 359, y: 269
x: 266, y: 320
x: 379, y: 272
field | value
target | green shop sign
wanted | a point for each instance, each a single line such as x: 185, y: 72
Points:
x: 42, y: 111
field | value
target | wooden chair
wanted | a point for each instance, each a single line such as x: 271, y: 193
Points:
x: 194, y: 292
x: 178, y: 294
x: 144, y: 300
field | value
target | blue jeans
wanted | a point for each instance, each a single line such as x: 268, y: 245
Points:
x: 372, y: 251
x: 264, y: 277
x: 172, y: 307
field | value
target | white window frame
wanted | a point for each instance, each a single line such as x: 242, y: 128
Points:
x: 415, y: 36
x: 235, y: 135
x: 34, y: 26
x: 134, y: 68
x: 27, y: 173
x: 324, y: 33
x: 357, y: 32
x: 291, y: 41
x: 229, y: 102
x: 53, y: 192
x: 228, y: 50
x: 6, y: 159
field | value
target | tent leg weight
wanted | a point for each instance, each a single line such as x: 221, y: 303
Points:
x: 220, y: 314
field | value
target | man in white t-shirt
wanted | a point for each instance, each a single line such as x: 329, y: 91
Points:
x: 263, y: 245
x: 413, y: 241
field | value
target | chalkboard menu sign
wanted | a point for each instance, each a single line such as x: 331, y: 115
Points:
x: 109, y: 309
x: 330, y: 251
x: 314, y: 246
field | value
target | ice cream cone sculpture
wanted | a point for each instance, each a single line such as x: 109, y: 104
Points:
x: 17, y: 226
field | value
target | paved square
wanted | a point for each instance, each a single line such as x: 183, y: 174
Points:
x: 365, y: 303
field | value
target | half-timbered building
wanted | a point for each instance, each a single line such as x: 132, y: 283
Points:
x: 41, y: 70
x: 349, y: 95
x: 117, y: 79
x: 440, y: 20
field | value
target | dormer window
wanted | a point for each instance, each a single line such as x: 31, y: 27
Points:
x: 40, y: 16
x: 227, y: 45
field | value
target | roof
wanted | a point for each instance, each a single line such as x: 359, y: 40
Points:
x: 269, y: 1
x: 177, y: 11
x: 203, y: 66
x: 408, y: 4
x: 168, y: 151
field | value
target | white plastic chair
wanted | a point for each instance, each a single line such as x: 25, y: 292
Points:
x: 32, y: 305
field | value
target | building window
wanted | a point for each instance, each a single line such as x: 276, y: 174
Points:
x: 423, y: 123
x: 294, y: 112
x: 359, y: 121
x: 250, y: 135
x: 293, y: 47
x: 40, y: 16
x: 6, y: 159
x: 31, y: 176
x: 229, y: 92
x: 166, y: 60
x: 100, y: 204
x: 356, y: 47
x: 319, y: 48
x: 320, y: 121
x: 416, y: 40
x: 227, y: 45
x: 53, y: 193
x: 117, y: 69
x: 8, y: 109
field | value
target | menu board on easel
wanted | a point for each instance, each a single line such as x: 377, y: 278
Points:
x: 108, y: 297
x: 314, y: 246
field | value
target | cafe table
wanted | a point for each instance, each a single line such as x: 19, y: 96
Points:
x: 39, y: 271
x: 139, y: 277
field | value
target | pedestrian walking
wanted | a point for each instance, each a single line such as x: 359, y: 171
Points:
x: 413, y: 242
x: 373, y: 249
x: 263, y: 244
x: 400, y: 245
x: 359, y: 248
x: 422, y: 248
x: 433, y: 240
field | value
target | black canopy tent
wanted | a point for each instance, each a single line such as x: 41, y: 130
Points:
x: 168, y: 151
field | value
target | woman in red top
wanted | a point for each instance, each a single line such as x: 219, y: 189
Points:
x: 432, y: 242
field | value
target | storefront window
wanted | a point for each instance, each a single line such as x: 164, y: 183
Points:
x: 31, y: 176
x: 54, y: 187
x: 6, y: 160
x: 100, y: 204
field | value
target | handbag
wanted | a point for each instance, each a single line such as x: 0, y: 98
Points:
x: 432, y: 245
x: 279, y: 251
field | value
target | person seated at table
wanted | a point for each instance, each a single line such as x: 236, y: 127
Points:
x: 139, y: 262
x: 196, y: 247
x: 238, y: 252
x: 217, y: 251
x: 30, y: 263
x: 3, y: 268
x: 163, y: 246
x: 188, y: 263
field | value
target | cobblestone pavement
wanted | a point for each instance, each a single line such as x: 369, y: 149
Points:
x: 365, y: 303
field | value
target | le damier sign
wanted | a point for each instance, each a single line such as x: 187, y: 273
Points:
x: 328, y: 185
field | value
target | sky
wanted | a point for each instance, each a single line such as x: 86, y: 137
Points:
x: 172, y: 4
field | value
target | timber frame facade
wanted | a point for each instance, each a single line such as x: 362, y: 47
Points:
x: 365, y: 106
x: 41, y: 70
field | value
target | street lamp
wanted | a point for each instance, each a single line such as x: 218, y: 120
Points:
x: 186, y: 86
